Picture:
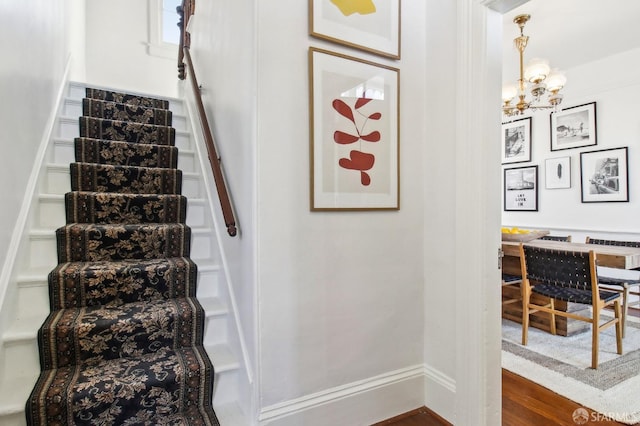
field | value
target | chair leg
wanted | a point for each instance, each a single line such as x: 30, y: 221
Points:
x: 552, y: 324
x: 525, y: 317
x: 595, y: 335
x: 625, y: 307
x: 619, y: 326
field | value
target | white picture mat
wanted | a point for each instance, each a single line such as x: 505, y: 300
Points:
x: 334, y: 187
x: 592, y: 175
x: 378, y: 32
x: 558, y: 173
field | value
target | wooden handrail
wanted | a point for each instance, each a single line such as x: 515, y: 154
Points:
x: 186, y: 11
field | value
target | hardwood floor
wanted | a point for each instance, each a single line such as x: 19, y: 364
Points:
x: 524, y: 403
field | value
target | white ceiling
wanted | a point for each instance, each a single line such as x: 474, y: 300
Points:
x: 571, y: 32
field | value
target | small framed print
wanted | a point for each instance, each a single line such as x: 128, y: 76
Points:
x: 521, y: 189
x: 557, y: 173
x: 574, y: 127
x: 372, y: 26
x: 604, y: 175
x: 516, y: 141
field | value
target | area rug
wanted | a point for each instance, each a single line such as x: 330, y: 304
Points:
x: 562, y: 364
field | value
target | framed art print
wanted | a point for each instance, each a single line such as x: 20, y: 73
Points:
x: 521, y: 189
x: 604, y: 175
x: 557, y: 173
x: 354, y: 133
x: 516, y: 141
x: 369, y: 25
x: 574, y: 127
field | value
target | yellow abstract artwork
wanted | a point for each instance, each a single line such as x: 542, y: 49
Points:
x: 349, y: 7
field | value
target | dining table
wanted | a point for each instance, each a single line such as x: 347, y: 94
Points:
x: 609, y: 256
x: 606, y: 256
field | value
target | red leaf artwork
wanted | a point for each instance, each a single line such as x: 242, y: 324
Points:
x: 371, y: 137
x: 357, y: 160
x: 344, y: 138
x: 362, y: 102
x: 343, y: 109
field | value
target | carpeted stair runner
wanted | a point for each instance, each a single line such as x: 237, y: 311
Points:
x: 123, y: 342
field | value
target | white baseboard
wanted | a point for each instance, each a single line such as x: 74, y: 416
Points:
x: 440, y: 393
x: 363, y: 402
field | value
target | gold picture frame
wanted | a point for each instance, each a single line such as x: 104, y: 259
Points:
x: 369, y: 25
x: 354, y: 133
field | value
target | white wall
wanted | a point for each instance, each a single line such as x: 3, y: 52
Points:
x: 341, y: 293
x: 348, y: 304
x: 35, y: 44
x: 613, y: 84
x: 223, y: 47
x: 117, y: 33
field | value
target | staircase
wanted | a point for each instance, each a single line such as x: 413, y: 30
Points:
x: 172, y: 233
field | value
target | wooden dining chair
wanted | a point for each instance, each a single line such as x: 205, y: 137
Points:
x: 566, y: 238
x: 623, y: 285
x: 572, y: 277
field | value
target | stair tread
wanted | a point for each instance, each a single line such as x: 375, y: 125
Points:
x: 169, y: 371
x: 125, y: 330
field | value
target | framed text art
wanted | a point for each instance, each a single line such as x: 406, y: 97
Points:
x: 516, y: 141
x: 574, y: 127
x: 521, y: 189
x: 604, y: 175
x: 370, y: 25
x: 354, y: 133
x: 557, y: 173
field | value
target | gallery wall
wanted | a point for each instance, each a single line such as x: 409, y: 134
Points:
x: 613, y: 85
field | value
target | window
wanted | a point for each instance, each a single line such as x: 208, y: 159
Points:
x: 164, y: 34
x: 170, y: 30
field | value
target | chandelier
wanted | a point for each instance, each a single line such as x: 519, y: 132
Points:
x: 535, y: 80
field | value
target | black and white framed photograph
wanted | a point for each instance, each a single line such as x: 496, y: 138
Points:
x: 604, y: 175
x: 521, y: 189
x: 557, y: 173
x: 574, y: 127
x: 516, y: 141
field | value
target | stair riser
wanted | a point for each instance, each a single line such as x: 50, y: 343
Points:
x: 41, y: 253
x: 225, y: 387
x: 68, y: 128
x: 208, y: 284
x: 33, y: 298
x: 58, y: 180
x: 21, y: 360
x: 195, y: 214
x: 50, y: 213
x: 72, y: 108
x: 215, y: 329
x: 201, y: 246
x: 191, y: 186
